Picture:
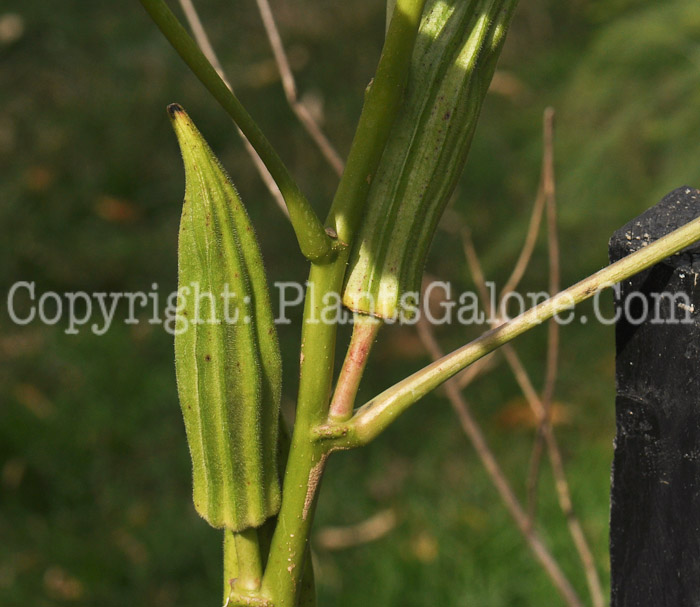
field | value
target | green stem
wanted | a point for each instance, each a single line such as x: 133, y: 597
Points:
x: 243, y: 569
x: 230, y: 564
x: 375, y: 416
x: 282, y: 580
x: 315, y: 244
x: 307, y: 594
x: 381, y: 104
x: 248, y: 559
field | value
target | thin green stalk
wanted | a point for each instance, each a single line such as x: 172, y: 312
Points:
x: 381, y: 104
x: 282, y: 580
x: 230, y: 563
x: 375, y: 416
x: 243, y: 569
x: 249, y: 561
x: 315, y: 244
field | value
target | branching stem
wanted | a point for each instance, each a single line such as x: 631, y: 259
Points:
x: 375, y: 416
x: 282, y: 580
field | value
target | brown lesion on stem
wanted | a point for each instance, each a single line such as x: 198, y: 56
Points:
x: 364, y: 332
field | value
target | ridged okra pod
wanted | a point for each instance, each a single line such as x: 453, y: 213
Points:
x: 458, y: 45
x: 227, y: 356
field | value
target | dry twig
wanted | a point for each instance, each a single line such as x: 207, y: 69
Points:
x: 200, y: 35
x: 525, y: 256
x: 369, y: 530
x: 479, y: 368
x: 290, y: 90
x: 476, y: 436
x: 537, y: 404
x: 562, y: 485
x: 552, y: 365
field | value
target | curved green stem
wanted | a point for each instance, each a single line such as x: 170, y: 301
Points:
x: 315, y: 244
x: 375, y: 416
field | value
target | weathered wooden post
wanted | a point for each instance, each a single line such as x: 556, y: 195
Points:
x: 655, y: 495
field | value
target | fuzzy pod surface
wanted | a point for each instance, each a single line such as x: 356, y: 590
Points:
x: 227, y: 357
x: 453, y: 61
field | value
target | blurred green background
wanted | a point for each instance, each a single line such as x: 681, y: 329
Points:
x: 95, y: 502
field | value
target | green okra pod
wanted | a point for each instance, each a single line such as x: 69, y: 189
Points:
x: 227, y: 356
x: 453, y: 61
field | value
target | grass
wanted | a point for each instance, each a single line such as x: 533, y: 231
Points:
x: 95, y: 502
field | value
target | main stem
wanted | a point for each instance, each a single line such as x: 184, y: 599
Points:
x: 283, y: 574
x: 282, y: 578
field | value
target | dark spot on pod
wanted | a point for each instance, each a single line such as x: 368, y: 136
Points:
x: 207, y: 357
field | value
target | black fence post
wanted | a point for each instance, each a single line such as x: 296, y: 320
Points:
x: 655, y: 494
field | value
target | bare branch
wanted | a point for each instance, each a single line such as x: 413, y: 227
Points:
x: 369, y: 530
x: 200, y: 35
x: 290, y: 90
x: 529, y: 245
x: 554, y: 255
x: 545, y: 196
x: 476, y: 436
x: 479, y: 368
x: 477, y: 272
x: 549, y: 188
x: 562, y: 486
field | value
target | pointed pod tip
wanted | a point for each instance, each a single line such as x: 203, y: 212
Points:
x: 174, y: 109
x: 184, y: 128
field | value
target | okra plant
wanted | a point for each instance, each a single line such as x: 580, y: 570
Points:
x: 250, y: 478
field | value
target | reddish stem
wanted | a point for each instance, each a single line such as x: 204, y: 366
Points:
x: 364, y: 332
